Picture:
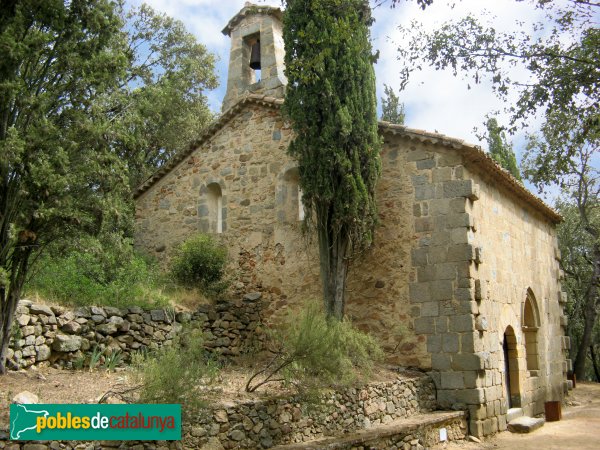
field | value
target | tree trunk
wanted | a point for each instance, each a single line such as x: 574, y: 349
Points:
x: 590, y: 316
x: 9, y: 299
x: 337, y: 278
x: 9, y: 306
x: 333, y: 259
x: 595, y: 363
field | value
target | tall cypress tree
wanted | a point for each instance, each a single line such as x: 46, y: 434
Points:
x: 331, y: 102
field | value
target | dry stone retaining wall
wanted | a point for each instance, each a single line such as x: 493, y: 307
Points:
x: 60, y: 336
x: 263, y: 423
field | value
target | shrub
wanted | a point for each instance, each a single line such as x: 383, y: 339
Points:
x: 86, y: 277
x: 199, y: 262
x: 173, y: 373
x: 315, y: 351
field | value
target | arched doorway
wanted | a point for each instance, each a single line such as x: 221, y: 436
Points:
x: 512, y: 388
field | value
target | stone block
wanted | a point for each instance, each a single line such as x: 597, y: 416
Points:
x: 452, y: 380
x: 480, y: 290
x: 445, y: 271
x: 564, y: 321
x: 440, y: 361
x: 434, y: 344
x: 41, y: 309
x: 426, y: 273
x: 66, y: 343
x: 478, y: 255
x: 458, y: 205
x: 562, y: 297
x: 426, y: 164
x: 418, y: 155
x: 525, y: 424
x: 461, y: 188
x: 441, y: 290
x: 42, y: 353
x: 461, y: 252
x: 419, y: 257
x: 423, y: 224
x: 468, y: 361
x: 441, y: 324
x: 430, y: 309
x: 474, y: 396
x: 478, y: 412
x: 112, y: 311
x: 476, y: 428
x: 23, y: 319
x: 437, y: 254
x: 419, y: 292
x: 450, y: 342
x: 441, y: 174
x: 461, y: 323
x: 460, y: 220
x: 424, y: 325
x: 471, y: 342
x: 481, y: 323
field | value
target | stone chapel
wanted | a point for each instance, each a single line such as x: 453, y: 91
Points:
x: 463, y: 280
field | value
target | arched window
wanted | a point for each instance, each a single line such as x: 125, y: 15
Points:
x: 289, y: 197
x: 531, y: 324
x: 210, y: 209
x: 214, y: 201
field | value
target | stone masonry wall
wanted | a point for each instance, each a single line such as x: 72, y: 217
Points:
x: 442, y: 288
x: 263, y: 423
x: 60, y: 336
x: 517, y: 258
x: 268, y: 253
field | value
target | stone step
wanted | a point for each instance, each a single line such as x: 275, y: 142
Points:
x: 416, y: 432
x: 525, y: 424
x: 514, y: 413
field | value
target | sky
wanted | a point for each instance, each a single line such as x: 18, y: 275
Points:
x: 434, y: 100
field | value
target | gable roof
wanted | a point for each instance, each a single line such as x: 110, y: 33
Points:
x: 471, y: 153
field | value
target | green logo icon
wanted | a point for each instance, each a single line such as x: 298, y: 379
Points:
x: 95, y: 422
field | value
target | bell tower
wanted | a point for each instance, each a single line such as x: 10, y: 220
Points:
x: 257, y: 52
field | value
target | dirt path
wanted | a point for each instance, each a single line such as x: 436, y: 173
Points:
x: 579, y: 428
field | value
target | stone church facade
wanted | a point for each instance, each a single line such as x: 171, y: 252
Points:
x: 463, y: 280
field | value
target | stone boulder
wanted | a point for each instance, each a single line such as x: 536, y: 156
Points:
x: 43, y: 353
x: 72, y: 327
x: 25, y: 398
x: 40, y: 309
x: 107, y: 328
x: 65, y: 343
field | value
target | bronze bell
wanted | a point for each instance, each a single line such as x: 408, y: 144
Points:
x: 255, y: 56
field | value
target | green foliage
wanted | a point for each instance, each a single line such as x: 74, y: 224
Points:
x: 113, y: 359
x: 331, y: 101
x: 88, y: 278
x: 579, y: 240
x: 391, y: 109
x: 316, y: 351
x: 162, y: 107
x: 199, y: 262
x: 59, y: 175
x: 173, y: 373
x: 562, y: 62
x: 95, y: 356
x: 500, y: 149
